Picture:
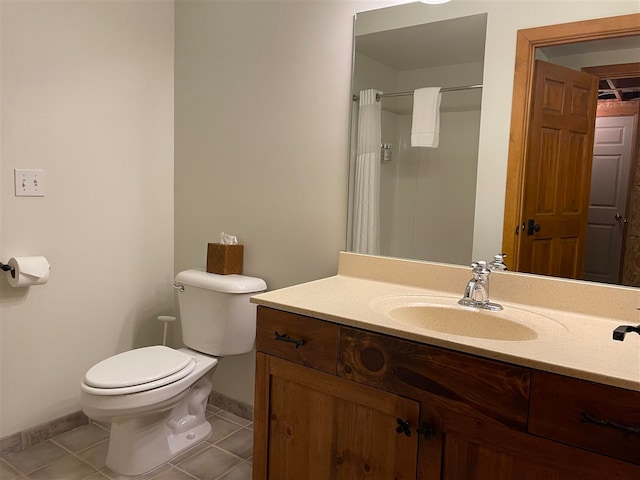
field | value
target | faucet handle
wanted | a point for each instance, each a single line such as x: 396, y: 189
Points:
x: 480, y: 269
x: 498, y: 262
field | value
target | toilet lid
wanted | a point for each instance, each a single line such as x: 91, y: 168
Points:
x: 140, y: 368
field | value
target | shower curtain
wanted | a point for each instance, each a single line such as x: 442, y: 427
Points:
x: 366, y: 218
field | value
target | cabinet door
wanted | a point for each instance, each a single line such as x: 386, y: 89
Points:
x: 469, y: 449
x: 315, y: 426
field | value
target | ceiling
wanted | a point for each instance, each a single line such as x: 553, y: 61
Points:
x: 462, y: 40
x: 620, y: 86
x: 580, y: 48
x: 447, y: 42
x: 623, y: 89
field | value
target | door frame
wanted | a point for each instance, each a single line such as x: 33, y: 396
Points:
x: 528, y: 40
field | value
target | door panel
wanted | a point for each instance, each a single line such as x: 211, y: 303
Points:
x: 575, y: 166
x: 558, y: 171
x: 298, y: 439
x: 547, y: 158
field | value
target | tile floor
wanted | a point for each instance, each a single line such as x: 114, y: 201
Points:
x: 80, y: 455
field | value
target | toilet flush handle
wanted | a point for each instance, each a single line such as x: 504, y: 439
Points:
x: 166, y: 319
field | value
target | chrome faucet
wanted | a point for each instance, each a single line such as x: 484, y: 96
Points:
x: 498, y: 262
x: 476, y: 294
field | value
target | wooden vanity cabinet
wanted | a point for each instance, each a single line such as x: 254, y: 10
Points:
x: 361, y: 405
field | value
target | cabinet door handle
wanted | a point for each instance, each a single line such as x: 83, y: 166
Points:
x: 588, y: 418
x: 427, y: 430
x: 298, y: 342
x: 403, y: 427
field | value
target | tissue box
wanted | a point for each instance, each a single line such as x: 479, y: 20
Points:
x: 224, y: 259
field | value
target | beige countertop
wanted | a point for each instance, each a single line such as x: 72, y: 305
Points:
x: 571, y: 339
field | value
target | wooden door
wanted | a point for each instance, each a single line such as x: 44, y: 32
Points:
x: 612, y: 152
x: 557, y: 172
x: 316, y: 426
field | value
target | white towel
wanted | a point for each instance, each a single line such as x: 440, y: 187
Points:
x: 425, y: 125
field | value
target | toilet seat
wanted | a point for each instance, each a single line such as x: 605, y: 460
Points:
x: 138, y: 370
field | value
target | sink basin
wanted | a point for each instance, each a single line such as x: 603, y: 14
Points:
x: 444, y: 315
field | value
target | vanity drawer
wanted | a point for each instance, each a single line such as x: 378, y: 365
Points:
x: 598, y: 417
x: 461, y: 383
x: 297, y: 338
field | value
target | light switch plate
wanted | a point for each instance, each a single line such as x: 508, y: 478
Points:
x: 29, y: 183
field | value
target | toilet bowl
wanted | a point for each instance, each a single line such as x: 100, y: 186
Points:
x: 155, y: 397
x: 156, y: 420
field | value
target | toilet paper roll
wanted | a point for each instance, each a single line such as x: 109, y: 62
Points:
x: 28, y: 271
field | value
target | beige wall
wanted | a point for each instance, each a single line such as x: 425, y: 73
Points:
x: 87, y: 96
x: 262, y: 111
x: 432, y: 220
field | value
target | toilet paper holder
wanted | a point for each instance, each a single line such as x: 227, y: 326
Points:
x: 6, y: 268
x: 26, y: 271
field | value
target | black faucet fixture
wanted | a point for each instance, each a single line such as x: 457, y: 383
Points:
x: 622, y: 330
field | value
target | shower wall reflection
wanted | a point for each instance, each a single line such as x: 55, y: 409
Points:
x: 425, y: 192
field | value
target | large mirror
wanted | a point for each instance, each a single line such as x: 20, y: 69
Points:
x: 447, y: 204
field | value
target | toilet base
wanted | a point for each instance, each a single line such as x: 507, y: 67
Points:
x: 139, y: 444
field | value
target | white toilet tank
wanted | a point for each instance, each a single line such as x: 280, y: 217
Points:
x: 215, y: 313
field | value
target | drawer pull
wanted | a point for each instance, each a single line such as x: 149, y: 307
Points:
x: 587, y: 418
x: 286, y: 338
x: 428, y: 431
x: 403, y: 427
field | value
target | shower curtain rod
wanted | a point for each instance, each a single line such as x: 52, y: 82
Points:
x: 404, y: 94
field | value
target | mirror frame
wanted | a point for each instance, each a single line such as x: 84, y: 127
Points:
x: 528, y: 40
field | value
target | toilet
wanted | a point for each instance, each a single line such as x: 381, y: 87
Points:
x: 155, y: 397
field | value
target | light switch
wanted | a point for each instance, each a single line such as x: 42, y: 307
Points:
x: 29, y: 183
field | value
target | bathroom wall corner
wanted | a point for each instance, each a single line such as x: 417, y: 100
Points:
x: 39, y: 433
x: 231, y: 405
